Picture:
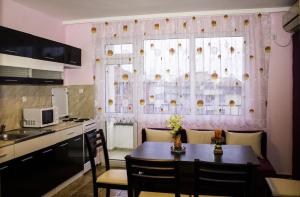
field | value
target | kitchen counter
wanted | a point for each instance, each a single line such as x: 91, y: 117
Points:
x: 4, y: 143
x: 55, y: 128
x: 63, y: 126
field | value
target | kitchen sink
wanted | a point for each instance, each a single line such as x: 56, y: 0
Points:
x: 14, y: 137
x: 23, y: 134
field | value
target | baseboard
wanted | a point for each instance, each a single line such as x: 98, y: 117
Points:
x: 63, y: 185
x: 117, y: 163
x: 284, y: 176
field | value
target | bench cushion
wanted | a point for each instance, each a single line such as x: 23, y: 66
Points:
x: 250, y: 139
x: 156, y: 135
x: 284, y: 187
x: 199, y: 137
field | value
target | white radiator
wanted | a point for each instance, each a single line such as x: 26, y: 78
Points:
x: 121, y: 135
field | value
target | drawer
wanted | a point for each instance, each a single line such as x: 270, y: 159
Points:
x: 7, y: 153
x: 35, y: 144
x: 68, y: 133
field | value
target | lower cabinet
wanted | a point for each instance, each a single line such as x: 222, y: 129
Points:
x: 69, y: 159
x: 6, y: 178
x: 39, y: 172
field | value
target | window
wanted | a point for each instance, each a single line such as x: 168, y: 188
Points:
x: 171, y: 84
x: 218, y: 75
x: 119, y: 90
x: 167, y: 71
x: 118, y: 49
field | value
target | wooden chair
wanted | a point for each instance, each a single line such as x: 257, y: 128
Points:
x: 111, y: 178
x: 283, y: 187
x: 222, y: 179
x: 149, y: 178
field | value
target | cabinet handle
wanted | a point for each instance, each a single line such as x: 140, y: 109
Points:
x: 70, y: 133
x: 26, y: 159
x: 11, y: 80
x: 50, y: 58
x: 48, y: 81
x: 65, y: 144
x: 11, y: 51
x: 3, y: 155
x: 76, y: 139
x: 73, y: 62
x: 3, y: 168
x: 47, y: 151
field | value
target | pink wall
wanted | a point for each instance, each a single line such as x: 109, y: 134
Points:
x: 17, y: 16
x: 279, y: 126
x: 280, y: 100
x: 80, y: 35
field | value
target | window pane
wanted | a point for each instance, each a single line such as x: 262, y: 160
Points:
x: 118, y: 49
x: 218, y: 77
x: 119, y: 91
x: 167, y: 76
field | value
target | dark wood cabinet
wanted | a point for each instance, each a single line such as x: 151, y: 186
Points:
x: 27, y: 80
x: 14, y: 42
x: 69, y: 157
x: 6, y: 179
x: 72, y: 56
x: 39, y: 172
x: 48, y: 50
x: 27, y: 176
x: 296, y: 105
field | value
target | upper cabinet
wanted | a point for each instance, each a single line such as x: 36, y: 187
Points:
x: 48, y: 50
x: 22, y: 44
x: 29, y: 59
x: 14, y: 42
x: 72, y: 57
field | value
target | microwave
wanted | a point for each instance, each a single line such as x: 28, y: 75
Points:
x: 40, y: 117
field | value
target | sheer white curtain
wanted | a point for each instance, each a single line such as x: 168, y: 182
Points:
x: 212, y: 70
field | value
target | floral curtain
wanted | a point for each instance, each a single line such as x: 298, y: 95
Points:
x: 212, y: 70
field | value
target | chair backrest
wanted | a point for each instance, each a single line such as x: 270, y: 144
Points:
x: 152, y: 175
x: 222, y: 179
x: 93, y: 141
x: 144, y: 133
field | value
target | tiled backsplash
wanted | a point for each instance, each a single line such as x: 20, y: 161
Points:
x: 13, y: 98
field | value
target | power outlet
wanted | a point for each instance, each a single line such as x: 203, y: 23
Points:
x: 24, y: 99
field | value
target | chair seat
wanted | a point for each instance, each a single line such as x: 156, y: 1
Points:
x: 157, y: 194
x: 113, y: 176
x: 284, y: 187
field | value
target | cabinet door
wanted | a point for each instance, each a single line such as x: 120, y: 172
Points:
x: 69, y: 158
x: 75, y: 154
x: 62, y: 162
x: 27, y: 173
x: 14, y: 42
x: 6, y: 179
x: 72, y: 55
x: 48, y: 50
x: 46, y: 159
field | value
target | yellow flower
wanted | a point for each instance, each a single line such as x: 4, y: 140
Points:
x: 174, y: 123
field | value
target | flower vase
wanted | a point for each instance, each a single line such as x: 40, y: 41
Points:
x: 177, y: 142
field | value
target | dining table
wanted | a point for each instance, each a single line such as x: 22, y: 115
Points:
x: 232, y: 154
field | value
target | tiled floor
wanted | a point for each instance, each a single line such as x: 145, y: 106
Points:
x: 83, y: 187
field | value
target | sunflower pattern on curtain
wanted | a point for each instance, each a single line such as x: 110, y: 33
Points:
x: 212, y: 70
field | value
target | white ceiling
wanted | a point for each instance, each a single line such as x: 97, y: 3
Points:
x: 87, y: 9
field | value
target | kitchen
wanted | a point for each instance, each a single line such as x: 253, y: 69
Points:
x: 43, y: 120
x: 70, y: 67
x: 40, y: 147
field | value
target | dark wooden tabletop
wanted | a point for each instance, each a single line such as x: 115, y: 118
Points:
x: 233, y: 154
